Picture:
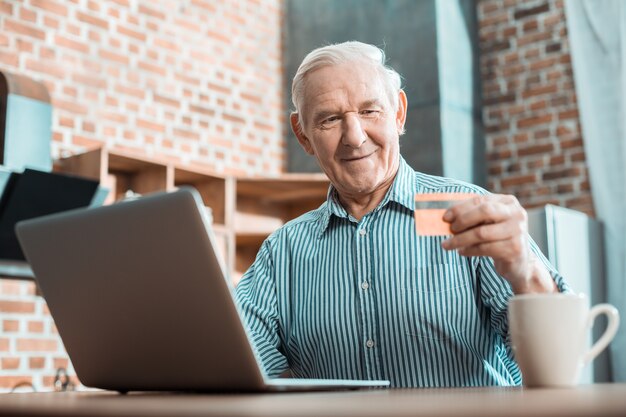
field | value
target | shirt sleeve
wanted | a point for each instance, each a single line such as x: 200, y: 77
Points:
x: 257, y: 301
x: 495, y: 293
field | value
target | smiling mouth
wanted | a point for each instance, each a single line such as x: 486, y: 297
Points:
x: 358, y: 158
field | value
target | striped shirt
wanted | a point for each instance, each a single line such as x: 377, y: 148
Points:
x: 332, y: 297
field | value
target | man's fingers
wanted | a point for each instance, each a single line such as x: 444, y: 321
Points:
x: 486, y: 213
x: 483, y: 234
x: 502, y: 249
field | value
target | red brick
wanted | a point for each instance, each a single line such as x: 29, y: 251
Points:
x: 146, y: 124
x: 66, y: 122
x: 579, y: 201
x: 6, y: 8
x: 10, y: 325
x: 530, y: 25
x: 525, y: 11
x: 89, y: 127
x: 92, y: 20
x: 542, y: 64
x: 541, y: 134
x: 37, y: 362
x: 4, y: 344
x: 130, y: 91
x: 578, y: 156
x: 233, y: 118
x: 9, y: 59
x: 52, y: 6
x: 144, y: 10
x: 14, y: 26
x: 113, y: 56
x: 165, y: 44
x: 520, y: 138
x: 10, y: 363
x: 534, y: 121
x: 35, y: 326
x: 7, y: 306
x: 535, y: 163
x: 60, y: 363
x: 70, y: 106
x: 561, y: 173
x: 517, y: 180
x: 557, y: 160
x: 89, y: 80
x: 36, y: 345
x: 569, y: 114
x: 202, y: 110
x: 571, y: 143
x: 533, y: 38
x: 94, y: 6
x: 547, y: 89
x: 157, y: 69
x: 535, y: 149
x: 122, y: 30
x: 28, y: 15
x: 552, y: 20
x: 499, y: 155
x: 495, y: 170
x: 585, y: 186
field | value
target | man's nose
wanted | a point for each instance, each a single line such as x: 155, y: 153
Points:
x: 353, y: 134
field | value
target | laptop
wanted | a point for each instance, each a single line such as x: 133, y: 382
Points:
x: 142, y: 302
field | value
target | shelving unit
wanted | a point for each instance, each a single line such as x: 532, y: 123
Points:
x: 244, y: 210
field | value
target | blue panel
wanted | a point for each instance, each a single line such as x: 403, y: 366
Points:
x: 28, y: 134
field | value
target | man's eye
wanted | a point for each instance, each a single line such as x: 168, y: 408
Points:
x: 330, y: 120
x: 369, y: 112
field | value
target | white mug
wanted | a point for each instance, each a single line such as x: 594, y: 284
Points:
x: 549, y: 334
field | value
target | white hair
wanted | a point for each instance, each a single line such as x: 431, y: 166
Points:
x: 340, y: 53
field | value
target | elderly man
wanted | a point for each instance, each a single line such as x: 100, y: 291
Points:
x: 350, y: 290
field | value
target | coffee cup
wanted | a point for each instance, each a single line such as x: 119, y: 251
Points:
x: 549, y: 333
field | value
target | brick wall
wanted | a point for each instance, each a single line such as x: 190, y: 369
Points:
x: 196, y: 81
x: 191, y: 80
x: 30, y: 348
x: 533, y: 135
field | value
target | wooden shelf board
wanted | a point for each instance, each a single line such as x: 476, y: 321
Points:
x: 251, y: 238
x: 286, y: 188
x: 131, y: 164
x: 186, y: 176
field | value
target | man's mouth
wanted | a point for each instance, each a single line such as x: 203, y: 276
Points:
x: 357, y: 158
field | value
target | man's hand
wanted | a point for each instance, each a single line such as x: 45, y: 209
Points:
x: 497, y: 226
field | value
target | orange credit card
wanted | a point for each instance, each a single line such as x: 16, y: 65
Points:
x: 429, y: 211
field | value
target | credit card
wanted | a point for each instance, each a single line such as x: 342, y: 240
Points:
x: 429, y: 211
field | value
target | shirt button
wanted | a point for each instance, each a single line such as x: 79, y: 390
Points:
x: 362, y: 232
x: 365, y: 285
x: 369, y: 343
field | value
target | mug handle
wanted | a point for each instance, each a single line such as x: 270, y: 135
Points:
x: 611, y: 329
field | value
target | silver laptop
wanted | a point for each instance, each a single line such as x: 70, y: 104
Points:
x: 142, y: 302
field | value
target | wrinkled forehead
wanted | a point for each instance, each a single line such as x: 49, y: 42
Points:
x: 343, y: 84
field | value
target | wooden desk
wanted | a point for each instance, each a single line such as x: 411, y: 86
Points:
x: 591, y: 400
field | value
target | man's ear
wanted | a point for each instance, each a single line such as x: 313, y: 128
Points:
x: 401, y: 112
x: 299, y: 132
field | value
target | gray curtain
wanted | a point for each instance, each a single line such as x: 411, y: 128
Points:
x: 597, y: 34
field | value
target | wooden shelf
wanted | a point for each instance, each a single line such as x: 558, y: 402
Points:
x: 216, y: 191
x: 119, y: 172
x: 244, y: 210
x: 287, y: 188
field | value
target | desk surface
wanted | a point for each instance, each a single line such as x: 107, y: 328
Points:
x: 590, y: 400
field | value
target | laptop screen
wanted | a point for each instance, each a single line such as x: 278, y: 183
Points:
x: 36, y: 193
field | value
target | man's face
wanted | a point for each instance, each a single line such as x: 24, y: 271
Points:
x: 352, y: 128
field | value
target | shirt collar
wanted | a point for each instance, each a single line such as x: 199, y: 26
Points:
x: 402, y: 192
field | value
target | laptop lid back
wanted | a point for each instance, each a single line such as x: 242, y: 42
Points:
x: 139, y: 298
